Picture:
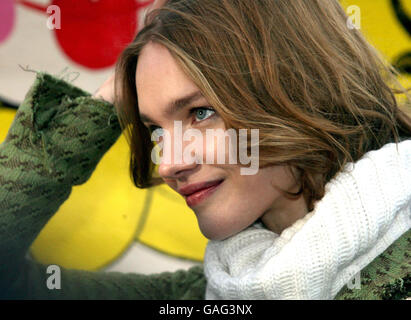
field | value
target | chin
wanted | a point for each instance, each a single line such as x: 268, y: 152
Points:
x: 215, y: 232
x: 218, y: 224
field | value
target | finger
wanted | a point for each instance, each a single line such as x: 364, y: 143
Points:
x: 158, y: 4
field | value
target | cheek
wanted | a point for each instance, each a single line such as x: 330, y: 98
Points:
x: 242, y: 201
x: 210, y: 147
x: 257, y: 193
x: 254, y: 190
x: 220, y: 147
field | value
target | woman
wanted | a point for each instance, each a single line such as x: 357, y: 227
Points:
x: 330, y: 199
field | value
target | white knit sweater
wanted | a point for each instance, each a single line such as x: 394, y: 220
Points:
x: 366, y: 207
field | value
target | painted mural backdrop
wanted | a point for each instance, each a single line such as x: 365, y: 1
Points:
x: 103, y: 216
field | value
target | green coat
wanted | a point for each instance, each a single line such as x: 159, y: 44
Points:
x: 55, y: 142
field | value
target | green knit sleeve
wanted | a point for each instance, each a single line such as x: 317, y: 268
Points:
x: 57, y: 138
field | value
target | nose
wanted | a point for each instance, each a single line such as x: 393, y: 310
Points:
x: 172, y: 164
x: 175, y: 171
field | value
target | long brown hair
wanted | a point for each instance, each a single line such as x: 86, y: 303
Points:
x: 318, y: 92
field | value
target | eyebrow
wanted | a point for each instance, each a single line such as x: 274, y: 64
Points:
x: 176, y: 105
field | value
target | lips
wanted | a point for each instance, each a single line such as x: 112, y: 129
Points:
x: 193, y: 188
x: 196, y: 193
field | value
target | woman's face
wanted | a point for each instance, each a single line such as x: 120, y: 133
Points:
x: 232, y: 201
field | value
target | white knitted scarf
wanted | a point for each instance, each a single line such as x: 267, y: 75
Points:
x: 366, y: 207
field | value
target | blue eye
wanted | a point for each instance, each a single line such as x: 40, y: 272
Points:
x: 202, y: 113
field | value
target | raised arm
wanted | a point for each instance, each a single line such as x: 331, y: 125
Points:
x: 56, y: 140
